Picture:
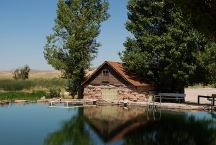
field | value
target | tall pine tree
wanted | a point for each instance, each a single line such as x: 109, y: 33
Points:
x: 73, y: 43
x: 165, y: 48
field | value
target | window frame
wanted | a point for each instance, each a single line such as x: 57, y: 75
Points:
x: 106, y: 72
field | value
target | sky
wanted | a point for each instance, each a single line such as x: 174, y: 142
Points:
x: 24, y: 25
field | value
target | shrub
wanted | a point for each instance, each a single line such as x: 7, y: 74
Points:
x: 22, y: 73
x: 54, y: 93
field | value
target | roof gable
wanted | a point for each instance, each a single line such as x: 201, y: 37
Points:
x: 125, y: 75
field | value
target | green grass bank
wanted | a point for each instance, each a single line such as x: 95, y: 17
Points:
x: 33, y: 84
x: 31, y: 89
x: 22, y: 95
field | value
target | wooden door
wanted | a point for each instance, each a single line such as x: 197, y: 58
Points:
x: 109, y: 94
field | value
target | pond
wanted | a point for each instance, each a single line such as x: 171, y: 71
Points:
x: 37, y: 124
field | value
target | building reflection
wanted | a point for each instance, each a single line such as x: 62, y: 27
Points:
x: 134, y: 126
x: 112, y: 123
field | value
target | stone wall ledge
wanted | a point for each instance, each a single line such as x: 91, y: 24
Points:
x: 175, y: 106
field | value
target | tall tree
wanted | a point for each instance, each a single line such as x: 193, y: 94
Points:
x: 165, y: 48
x: 202, y: 14
x: 73, y: 43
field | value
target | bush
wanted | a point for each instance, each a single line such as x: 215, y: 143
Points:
x: 22, y: 73
x: 214, y: 84
x: 54, y: 93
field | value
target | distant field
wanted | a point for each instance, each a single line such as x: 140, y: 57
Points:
x: 32, y: 75
x: 38, y: 84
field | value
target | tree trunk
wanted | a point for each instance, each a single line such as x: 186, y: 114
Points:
x: 80, y: 92
x: 81, y: 88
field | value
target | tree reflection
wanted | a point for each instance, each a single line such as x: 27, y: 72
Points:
x: 72, y: 133
x: 173, y: 128
x: 213, y: 114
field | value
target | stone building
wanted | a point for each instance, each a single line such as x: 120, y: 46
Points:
x: 111, y: 82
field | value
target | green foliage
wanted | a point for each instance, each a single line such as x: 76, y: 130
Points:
x: 49, y: 83
x: 54, y: 93
x: 208, y: 61
x: 15, y: 85
x: 22, y: 73
x: 73, y: 86
x: 22, y: 95
x: 73, y: 44
x: 166, y: 48
x: 18, y: 85
x: 202, y: 14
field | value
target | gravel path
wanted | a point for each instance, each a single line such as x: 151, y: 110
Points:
x: 192, y: 94
x: 191, y: 100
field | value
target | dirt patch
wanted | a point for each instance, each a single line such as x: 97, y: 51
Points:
x: 192, y: 94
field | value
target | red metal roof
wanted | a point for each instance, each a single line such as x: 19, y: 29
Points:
x: 129, y: 77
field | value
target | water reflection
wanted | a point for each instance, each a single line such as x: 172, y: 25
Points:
x: 134, y: 126
x: 72, y: 133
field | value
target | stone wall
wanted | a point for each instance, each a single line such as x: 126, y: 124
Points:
x: 132, y: 94
x: 123, y: 92
x: 92, y: 92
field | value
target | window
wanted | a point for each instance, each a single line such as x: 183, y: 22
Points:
x: 105, y: 82
x: 106, y: 72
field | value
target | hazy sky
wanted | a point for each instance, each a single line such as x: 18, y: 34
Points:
x: 24, y: 25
